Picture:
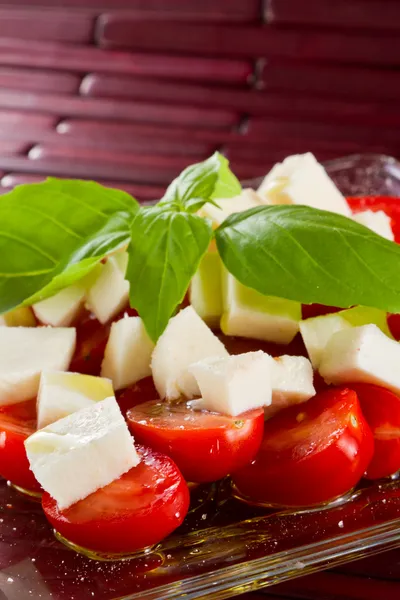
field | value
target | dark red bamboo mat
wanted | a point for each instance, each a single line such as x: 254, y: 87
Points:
x: 129, y: 92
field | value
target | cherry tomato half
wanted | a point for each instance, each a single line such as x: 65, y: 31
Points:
x: 139, y: 392
x: 205, y: 446
x: 381, y: 409
x: 310, y: 453
x: 137, y: 510
x: 17, y: 422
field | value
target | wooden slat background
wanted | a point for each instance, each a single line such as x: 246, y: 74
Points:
x: 131, y: 91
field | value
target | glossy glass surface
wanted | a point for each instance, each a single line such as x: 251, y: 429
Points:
x: 224, y: 547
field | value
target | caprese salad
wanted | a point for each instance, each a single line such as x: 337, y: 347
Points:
x: 145, y: 348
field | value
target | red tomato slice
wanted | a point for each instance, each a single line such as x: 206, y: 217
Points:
x: 91, y: 341
x: 139, y: 392
x: 391, y: 206
x: 17, y: 422
x: 393, y: 322
x: 310, y: 453
x: 205, y: 446
x: 381, y: 409
x: 137, y: 510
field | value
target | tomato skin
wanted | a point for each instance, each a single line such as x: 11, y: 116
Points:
x: 309, y: 311
x: 17, y: 422
x: 381, y: 409
x: 311, y: 453
x: 141, y: 391
x: 393, y: 321
x: 205, y: 446
x: 139, y: 509
x: 389, y: 205
x: 91, y: 341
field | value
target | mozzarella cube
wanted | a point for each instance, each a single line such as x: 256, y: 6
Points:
x: 205, y: 293
x: 229, y: 206
x: 19, y: 317
x: 27, y: 351
x: 300, y: 179
x: 247, y: 313
x: 362, y: 354
x: 186, y: 340
x: 128, y: 353
x: 61, y: 309
x: 317, y: 331
x: 109, y: 294
x: 234, y: 384
x: 292, y: 382
x: 378, y: 221
x: 77, y: 455
x: 61, y: 394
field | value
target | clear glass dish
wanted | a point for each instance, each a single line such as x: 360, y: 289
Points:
x: 225, y: 547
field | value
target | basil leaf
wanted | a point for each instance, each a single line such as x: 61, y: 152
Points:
x: 165, y: 250
x: 201, y: 183
x: 53, y: 233
x: 310, y: 255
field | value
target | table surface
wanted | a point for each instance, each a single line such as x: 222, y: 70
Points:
x: 374, y: 578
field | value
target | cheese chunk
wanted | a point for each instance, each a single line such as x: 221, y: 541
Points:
x: 186, y: 340
x: 128, y: 352
x: 362, y: 354
x: 77, y: 455
x: 292, y: 382
x: 378, y: 221
x: 317, y: 331
x: 205, y: 293
x: 300, y: 179
x: 229, y: 206
x: 110, y: 292
x: 19, y: 317
x: 61, y: 394
x: 247, y: 313
x: 234, y: 384
x: 61, y: 309
x: 27, y: 351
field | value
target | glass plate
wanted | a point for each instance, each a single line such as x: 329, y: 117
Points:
x: 225, y: 547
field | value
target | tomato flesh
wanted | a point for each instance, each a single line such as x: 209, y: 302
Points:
x: 137, y: 510
x: 381, y: 409
x: 17, y: 422
x: 310, y: 453
x: 205, y: 446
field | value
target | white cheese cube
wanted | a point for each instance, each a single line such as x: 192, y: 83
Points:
x: 61, y: 309
x: 186, y: 340
x: 110, y: 292
x: 247, y: 313
x: 234, y: 384
x: 300, y: 179
x: 27, y: 351
x: 205, y: 293
x: 378, y: 221
x: 229, y: 206
x: 317, y: 331
x: 128, y: 352
x: 61, y: 394
x: 77, y: 455
x: 19, y: 317
x: 292, y: 379
x: 362, y: 354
